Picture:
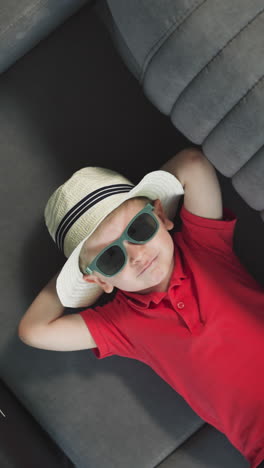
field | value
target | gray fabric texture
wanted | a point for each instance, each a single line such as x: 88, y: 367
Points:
x: 190, y: 48
x: 202, y: 64
x: 206, y: 448
x: 24, y: 23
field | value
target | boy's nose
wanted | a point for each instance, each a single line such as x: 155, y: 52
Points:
x: 135, y: 252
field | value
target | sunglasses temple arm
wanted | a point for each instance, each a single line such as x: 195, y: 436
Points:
x: 88, y: 270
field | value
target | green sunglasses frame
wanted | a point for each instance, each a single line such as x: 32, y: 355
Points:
x: 119, y: 242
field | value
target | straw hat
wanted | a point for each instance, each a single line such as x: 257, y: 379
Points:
x: 78, y: 206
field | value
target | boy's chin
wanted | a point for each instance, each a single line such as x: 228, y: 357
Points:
x: 158, y: 282
x: 163, y: 282
x: 151, y: 288
x: 158, y: 286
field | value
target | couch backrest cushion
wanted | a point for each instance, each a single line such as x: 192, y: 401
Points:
x: 201, y: 63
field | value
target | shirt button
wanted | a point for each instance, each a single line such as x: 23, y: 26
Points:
x: 180, y: 305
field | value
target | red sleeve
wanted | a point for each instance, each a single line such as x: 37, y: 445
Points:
x: 108, y: 327
x: 212, y: 234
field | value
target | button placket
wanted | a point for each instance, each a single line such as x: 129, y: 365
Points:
x: 186, y: 306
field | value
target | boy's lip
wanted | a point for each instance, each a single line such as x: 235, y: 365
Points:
x: 147, y: 265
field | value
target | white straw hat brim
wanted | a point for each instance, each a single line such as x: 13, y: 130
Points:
x: 72, y: 289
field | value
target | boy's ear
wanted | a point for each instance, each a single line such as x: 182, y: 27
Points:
x: 107, y: 287
x: 159, y: 211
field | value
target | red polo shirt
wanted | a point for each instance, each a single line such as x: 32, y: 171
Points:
x: 204, y: 336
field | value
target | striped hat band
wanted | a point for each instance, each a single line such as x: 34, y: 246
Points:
x: 83, y: 206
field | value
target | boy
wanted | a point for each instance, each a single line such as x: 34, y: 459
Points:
x: 185, y: 305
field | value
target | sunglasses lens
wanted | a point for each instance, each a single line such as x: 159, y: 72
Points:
x: 111, y: 260
x: 142, y: 228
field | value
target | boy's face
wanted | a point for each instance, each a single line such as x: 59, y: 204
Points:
x: 159, y: 250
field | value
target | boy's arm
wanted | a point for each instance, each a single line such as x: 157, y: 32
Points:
x: 202, y: 192
x: 43, y: 327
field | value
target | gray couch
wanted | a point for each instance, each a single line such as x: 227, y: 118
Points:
x: 67, y: 100
x: 201, y: 63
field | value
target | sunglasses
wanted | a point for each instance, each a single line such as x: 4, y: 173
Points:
x: 112, y: 259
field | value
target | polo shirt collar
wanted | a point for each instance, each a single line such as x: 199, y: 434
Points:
x: 142, y: 301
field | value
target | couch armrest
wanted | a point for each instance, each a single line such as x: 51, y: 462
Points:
x: 23, y: 24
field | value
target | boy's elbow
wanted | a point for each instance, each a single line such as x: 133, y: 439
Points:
x: 25, y: 333
x: 24, y: 339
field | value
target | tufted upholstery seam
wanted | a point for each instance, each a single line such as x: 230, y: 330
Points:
x: 239, y: 103
x: 233, y: 38
x: 161, y: 41
x: 206, y: 67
